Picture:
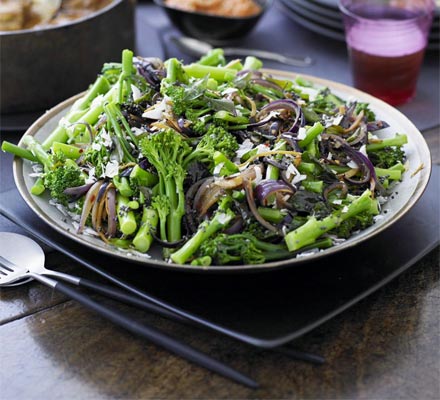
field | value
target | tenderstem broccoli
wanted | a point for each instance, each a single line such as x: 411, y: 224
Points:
x: 308, y: 233
x: 144, y: 238
x: 220, y: 220
x: 166, y: 151
x: 126, y: 218
x: 77, y: 111
x: 59, y: 174
x: 216, y: 139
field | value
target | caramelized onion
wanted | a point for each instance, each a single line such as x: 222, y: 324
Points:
x: 269, y: 186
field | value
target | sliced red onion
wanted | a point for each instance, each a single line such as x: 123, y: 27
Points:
x: 365, y: 166
x: 163, y: 243
x: 269, y: 186
x: 376, y: 125
x: 341, y: 186
x: 88, y: 203
x: 236, y: 226
x: 285, y: 104
x: 254, y: 74
x: 267, y: 84
x: 247, y: 185
x: 110, y: 206
x: 78, y: 191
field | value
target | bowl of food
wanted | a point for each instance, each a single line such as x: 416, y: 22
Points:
x: 52, y: 49
x: 215, y: 21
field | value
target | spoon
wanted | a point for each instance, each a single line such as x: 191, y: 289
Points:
x: 198, y: 48
x: 22, y: 257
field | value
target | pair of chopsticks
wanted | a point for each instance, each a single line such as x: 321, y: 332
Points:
x: 182, y: 349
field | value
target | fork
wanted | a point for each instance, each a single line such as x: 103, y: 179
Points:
x: 10, y: 273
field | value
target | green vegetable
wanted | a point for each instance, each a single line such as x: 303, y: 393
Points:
x: 166, y: 151
x: 222, y: 217
x: 126, y: 218
x: 143, y: 239
x: 314, y: 228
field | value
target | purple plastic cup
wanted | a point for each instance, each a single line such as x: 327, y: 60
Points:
x: 386, y: 41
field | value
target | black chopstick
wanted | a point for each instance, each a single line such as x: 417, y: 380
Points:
x: 136, y: 301
x: 152, y: 334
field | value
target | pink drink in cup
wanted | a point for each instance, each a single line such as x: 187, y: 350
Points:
x: 386, y: 42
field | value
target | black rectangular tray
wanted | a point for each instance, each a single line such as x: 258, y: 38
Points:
x: 265, y: 309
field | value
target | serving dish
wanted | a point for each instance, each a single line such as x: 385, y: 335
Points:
x: 409, y: 190
x: 213, y: 28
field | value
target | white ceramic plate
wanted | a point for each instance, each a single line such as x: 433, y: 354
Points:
x: 409, y: 190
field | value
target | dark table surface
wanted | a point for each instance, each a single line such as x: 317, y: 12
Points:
x: 385, y: 347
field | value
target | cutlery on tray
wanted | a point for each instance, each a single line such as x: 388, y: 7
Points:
x: 198, y: 48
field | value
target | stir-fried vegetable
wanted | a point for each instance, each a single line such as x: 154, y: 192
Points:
x: 217, y: 163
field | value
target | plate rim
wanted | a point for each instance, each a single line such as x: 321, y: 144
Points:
x: 419, y: 189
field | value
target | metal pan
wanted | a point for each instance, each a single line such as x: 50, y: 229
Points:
x: 41, y: 67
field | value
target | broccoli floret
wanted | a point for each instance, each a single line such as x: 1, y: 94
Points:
x: 351, y: 225
x: 370, y: 115
x: 387, y: 157
x: 177, y: 95
x: 308, y: 233
x: 63, y: 174
x: 216, y: 139
x: 231, y: 249
x: 241, y: 248
x: 166, y: 151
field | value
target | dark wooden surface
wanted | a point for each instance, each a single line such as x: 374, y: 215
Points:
x: 386, y: 347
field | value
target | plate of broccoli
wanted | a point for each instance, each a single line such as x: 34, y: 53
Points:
x: 219, y: 166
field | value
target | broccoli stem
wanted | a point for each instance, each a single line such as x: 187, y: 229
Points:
x: 273, y: 172
x: 228, y: 117
x: 122, y: 184
x: 214, y: 57
x: 311, y: 134
x: 228, y: 167
x: 111, y: 110
x: 206, y: 229
x: 38, y: 151
x: 142, y: 177
x: 126, y: 218
x: 307, y: 168
x: 79, y: 108
x: 393, y: 174
x: 220, y: 74
x: 271, y: 214
x: 18, y: 151
x: 301, y: 81
x: 269, y: 92
x: 252, y: 62
x: 68, y: 150
x: 308, y: 233
x: 143, y: 239
x: 124, y: 78
x: 38, y: 187
x: 313, y: 186
x: 398, y: 140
